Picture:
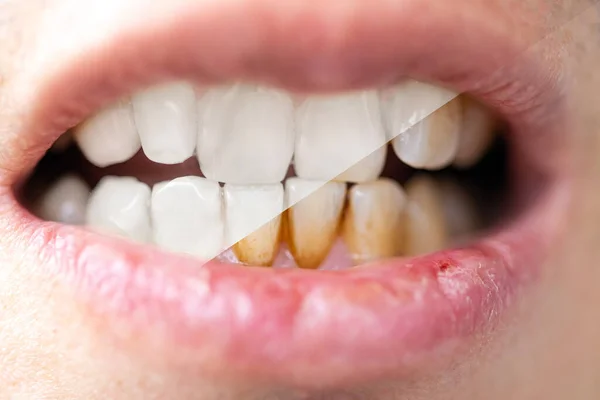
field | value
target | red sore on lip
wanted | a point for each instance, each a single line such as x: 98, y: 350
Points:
x: 291, y: 326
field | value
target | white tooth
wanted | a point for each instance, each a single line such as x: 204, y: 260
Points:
x: 374, y: 219
x: 110, y: 136
x: 120, y: 205
x: 187, y: 216
x: 253, y: 215
x: 313, y: 217
x: 166, y: 120
x: 65, y: 201
x: 409, y: 103
x: 334, y: 133
x: 432, y: 143
x: 246, y: 135
x: 424, y: 122
x: 426, y: 227
x: 477, y: 133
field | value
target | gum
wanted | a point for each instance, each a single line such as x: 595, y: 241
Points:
x: 337, y: 259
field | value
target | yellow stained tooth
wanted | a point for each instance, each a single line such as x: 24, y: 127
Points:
x: 253, y: 221
x: 426, y: 229
x: 477, y: 133
x: 373, y: 224
x: 460, y: 210
x: 260, y: 247
x: 312, y: 219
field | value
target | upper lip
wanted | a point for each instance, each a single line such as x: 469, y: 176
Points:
x: 282, y: 324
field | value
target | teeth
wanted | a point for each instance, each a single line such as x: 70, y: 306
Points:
x: 249, y: 127
x: 313, y: 218
x: 166, y: 120
x: 65, y: 201
x: 426, y: 229
x: 110, y: 136
x: 121, y: 206
x: 373, y: 224
x: 187, y: 216
x: 460, y: 210
x: 424, y: 122
x: 253, y: 219
x: 477, y: 134
x: 336, y: 132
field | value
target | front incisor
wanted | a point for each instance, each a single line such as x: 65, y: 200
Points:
x: 426, y: 229
x: 373, y: 224
x: 260, y: 247
x: 313, y: 220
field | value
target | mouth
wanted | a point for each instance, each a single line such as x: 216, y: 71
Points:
x: 417, y: 209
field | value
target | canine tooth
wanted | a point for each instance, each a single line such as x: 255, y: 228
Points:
x: 65, y: 201
x: 312, y: 219
x: 477, y: 133
x: 248, y: 127
x: 166, y: 120
x: 110, y: 136
x: 187, y: 216
x: 253, y: 220
x: 373, y: 224
x: 334, y: 133
x: 432, y: 143
x: 424, y: 122
x: 426, y: 229
x: 409, y: 103
x: 120, y: 205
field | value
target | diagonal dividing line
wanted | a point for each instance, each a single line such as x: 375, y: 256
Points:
x: 411, y: 122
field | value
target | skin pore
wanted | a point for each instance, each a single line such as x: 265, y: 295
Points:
x: 545, y: 345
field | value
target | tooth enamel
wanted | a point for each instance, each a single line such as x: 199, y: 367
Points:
x: 312, y: 219
x: 424, y: 122
x: 409, y: 103
x: 426, y: 229
x: 110, y: 136
x: 187, y: 216
x: 253, y: 219
x: 65, y: 201
x: 477, y: 133
x: 166, y: 121
x: 373, y: 224
x: 246, y: 135
x: 336, y: 132
x: 120, y: 205
x: 460, y: 210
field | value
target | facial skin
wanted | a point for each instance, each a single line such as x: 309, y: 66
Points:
x: 546, y: 345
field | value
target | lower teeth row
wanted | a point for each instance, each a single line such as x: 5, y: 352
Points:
x: 196, y: 216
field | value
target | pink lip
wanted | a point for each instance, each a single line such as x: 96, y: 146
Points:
x: 294, y: 326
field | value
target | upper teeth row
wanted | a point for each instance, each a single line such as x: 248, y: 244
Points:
x: 245, y: 134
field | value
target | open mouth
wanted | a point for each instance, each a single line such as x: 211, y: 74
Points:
x: 256, y: 176
x: 330, y: 218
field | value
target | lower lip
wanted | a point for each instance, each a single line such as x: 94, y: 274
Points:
x: 293, y: 326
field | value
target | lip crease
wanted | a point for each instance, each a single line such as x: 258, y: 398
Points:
x: 294, y: 326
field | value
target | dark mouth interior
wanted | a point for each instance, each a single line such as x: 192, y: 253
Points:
x: 485, y: 185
